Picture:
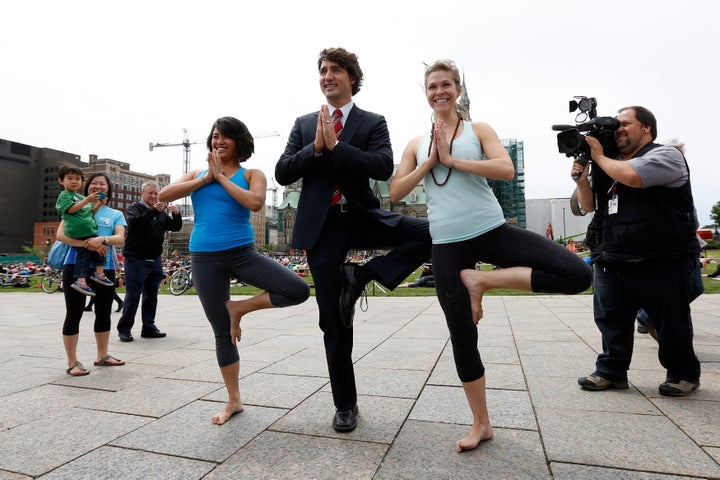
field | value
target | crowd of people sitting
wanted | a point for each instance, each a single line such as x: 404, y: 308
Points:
x: 28, y: 268
x: 296, y: 263
x: 18, y: 274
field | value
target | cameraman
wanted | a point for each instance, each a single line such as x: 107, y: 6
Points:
x: 644, y: 247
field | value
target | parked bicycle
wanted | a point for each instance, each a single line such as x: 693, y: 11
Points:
x: 52, y: 282
x: 181, y: 280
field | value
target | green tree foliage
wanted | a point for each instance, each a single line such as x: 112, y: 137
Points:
x: 715, y: 213
x: 38, y: 252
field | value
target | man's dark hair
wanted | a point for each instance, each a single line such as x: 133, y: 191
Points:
x: 645, y: 117
x: 233, y: 128
x: 348, y: 61
x: 90, y: 179
x: 69, y: 168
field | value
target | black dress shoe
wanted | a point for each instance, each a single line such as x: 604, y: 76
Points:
x: 345, y: 420
x: 153, y: 334
x: 350, y: 290
x: 120, y: 305
x: 125, y: 337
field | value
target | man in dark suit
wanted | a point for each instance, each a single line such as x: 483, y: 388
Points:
x: 147, y: 223
x: 336, y: 151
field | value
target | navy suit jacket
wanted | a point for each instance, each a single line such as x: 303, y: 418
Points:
x: 363, y: 153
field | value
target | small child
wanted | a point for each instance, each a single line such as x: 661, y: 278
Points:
x: 77, y: 213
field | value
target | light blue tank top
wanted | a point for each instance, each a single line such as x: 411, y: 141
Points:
x: 220, y: 221
x: 465, y: 206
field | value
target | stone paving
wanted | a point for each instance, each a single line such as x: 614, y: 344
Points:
x: 151, y: 418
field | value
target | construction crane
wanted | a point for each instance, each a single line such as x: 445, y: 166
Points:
x: 186, y: 156
x: 274, y: 205
x: 186, y: 161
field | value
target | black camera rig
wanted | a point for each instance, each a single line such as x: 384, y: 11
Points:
x: 571, y: 140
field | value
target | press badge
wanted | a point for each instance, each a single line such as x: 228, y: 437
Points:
x: 613, y: 205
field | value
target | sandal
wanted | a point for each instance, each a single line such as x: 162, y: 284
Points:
x: 104, y: 362
x: 83, y: 370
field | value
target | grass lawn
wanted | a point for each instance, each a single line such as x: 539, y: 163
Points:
x: 711, y: 286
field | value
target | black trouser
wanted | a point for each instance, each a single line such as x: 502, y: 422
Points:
x: 211, y: 273
x: 555, y: 269
x: 75, y: 303
x: 659, y: 287
x: 142, y: 280
x: 342, y: 232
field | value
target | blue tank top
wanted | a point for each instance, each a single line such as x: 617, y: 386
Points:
x: 221, y: 222
x: 465, y: 206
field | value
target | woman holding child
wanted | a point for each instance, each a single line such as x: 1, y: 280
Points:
x: 111, y: 232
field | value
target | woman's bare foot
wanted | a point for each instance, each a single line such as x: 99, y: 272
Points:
x: 227, y: 412
x: 236, y: 310
x: 473, y: 281
x: 471, y: 440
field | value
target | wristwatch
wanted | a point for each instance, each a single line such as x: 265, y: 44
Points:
x: 105, y: 241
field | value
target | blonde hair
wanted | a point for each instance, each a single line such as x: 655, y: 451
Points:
x: 449, y: 66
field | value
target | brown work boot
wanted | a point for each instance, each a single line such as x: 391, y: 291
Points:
x: 595, y: 382
x: 674, y: 387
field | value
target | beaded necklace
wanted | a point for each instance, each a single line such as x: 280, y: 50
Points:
x: 432, y: 135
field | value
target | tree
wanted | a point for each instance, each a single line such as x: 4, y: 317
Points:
x: 39, y: 252
x: 715, y: 213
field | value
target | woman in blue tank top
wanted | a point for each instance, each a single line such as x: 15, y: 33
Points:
x: 221, y: 246
x: 467, y: 225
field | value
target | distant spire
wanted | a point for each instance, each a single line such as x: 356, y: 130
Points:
x: 464, y: 99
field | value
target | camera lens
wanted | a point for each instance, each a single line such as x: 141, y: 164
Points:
x: 570, y: 141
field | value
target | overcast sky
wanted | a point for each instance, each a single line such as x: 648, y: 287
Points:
x: 93, y: 77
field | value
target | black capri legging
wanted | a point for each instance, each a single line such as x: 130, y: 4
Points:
x: 75, y: 303
x: 555, y: 269
x: 211, y: 272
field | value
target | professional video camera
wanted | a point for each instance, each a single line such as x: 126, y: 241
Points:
x: 572, y: 143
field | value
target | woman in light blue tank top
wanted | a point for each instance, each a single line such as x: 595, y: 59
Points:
x: 221, y: 246
x: 467, y: 225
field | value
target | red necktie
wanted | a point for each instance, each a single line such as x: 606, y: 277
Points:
x: 338, y: 126
x: 337, y: 123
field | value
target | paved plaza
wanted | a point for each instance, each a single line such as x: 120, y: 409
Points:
x: 150, y: 419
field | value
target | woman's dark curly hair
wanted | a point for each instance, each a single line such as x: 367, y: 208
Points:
x: 233, y: 128
x: 348, y: 61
